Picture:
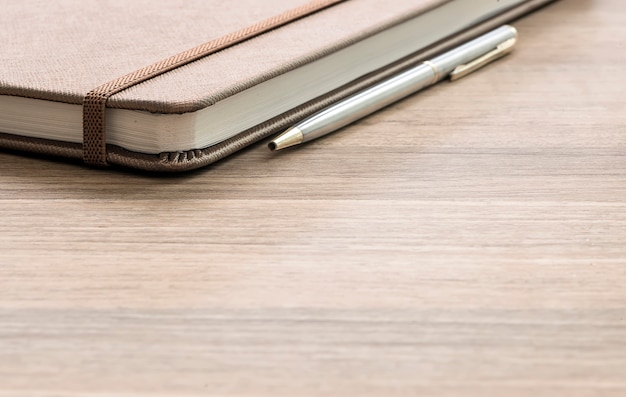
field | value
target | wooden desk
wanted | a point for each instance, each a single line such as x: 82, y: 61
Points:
x: 480, y: 252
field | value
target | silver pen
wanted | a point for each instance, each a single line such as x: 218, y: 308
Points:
x: 455, y: 63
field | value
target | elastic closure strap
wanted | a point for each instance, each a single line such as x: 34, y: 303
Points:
x: 94, y: 103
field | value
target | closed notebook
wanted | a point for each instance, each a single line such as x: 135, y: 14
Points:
x: 175, y: 85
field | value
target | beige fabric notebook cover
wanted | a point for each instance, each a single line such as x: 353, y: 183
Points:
x: 173, y: 85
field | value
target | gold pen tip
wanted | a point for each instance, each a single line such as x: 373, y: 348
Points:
x: 291, y: 137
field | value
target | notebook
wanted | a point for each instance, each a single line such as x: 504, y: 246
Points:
x: 175, y: 85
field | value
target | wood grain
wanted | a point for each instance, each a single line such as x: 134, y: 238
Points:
x: 470, y: 240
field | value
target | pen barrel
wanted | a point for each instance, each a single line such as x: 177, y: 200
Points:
x: 366, y: 102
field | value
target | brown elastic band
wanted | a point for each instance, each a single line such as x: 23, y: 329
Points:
x: 94, y: 103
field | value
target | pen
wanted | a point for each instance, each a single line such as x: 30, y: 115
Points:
x: 455, y: 63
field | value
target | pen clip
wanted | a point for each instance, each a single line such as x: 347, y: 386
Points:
x: 501, y: 50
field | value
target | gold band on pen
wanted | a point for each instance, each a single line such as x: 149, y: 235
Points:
x: 435, y: 70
